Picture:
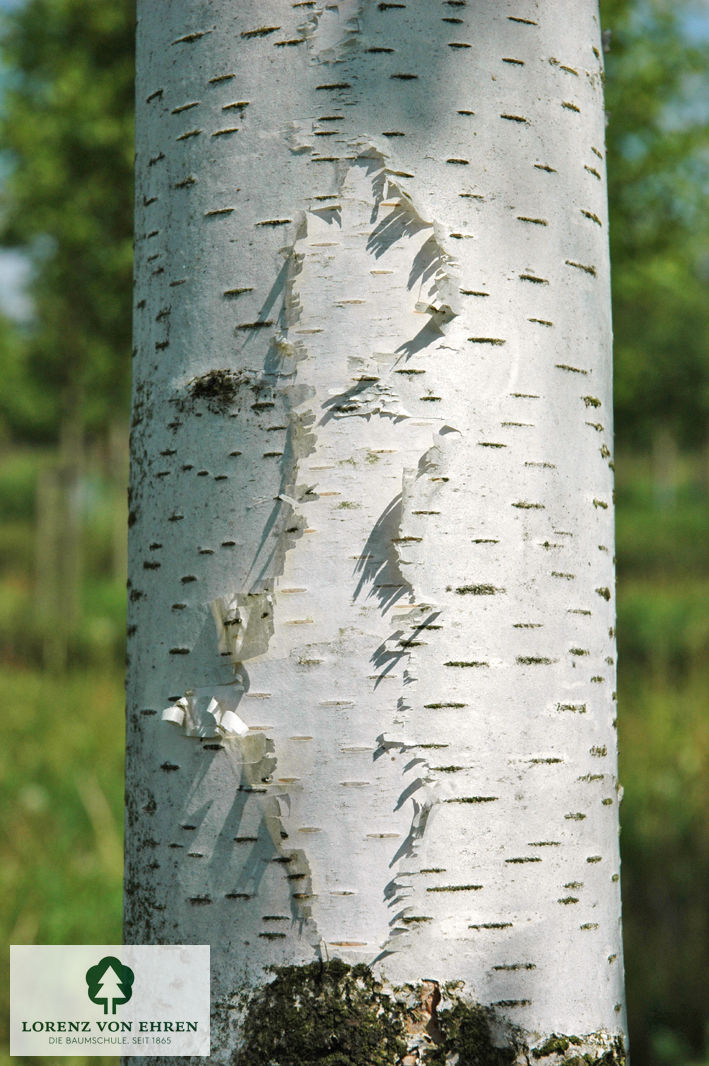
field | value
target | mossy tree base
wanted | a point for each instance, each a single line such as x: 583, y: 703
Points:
x: 332, y: 1014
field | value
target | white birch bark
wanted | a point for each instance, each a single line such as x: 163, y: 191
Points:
x: 372, y: 518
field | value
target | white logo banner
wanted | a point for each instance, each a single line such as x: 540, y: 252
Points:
x: 95, y: 999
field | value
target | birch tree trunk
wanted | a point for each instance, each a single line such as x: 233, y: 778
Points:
x: 371, y: 707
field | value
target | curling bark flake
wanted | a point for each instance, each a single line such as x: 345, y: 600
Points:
x: 371, y: 512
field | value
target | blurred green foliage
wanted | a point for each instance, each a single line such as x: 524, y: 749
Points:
x: 66, y: 130
x: 658, y: 179
x: 65, y: 127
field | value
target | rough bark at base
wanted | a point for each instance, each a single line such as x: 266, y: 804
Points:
x: 336, y: 1015
x: 332, y: 1014
x: 371, y: 686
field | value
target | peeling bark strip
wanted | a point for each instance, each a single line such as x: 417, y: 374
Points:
x: 371, y: 681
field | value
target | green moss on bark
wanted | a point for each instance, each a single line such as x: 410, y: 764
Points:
x: 569, y: 1045
x: 329, y: 1014
x: 465, y: 1033
x: 333, y: 1014
x: 553, y: 1045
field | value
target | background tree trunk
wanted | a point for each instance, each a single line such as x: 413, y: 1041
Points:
x: 59, y: 548
x: 371, y: 507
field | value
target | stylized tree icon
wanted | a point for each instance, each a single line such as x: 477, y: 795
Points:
x: 110, y: 983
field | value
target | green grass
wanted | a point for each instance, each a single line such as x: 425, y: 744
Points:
x: 61, y: 784
x: 664, y: 749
